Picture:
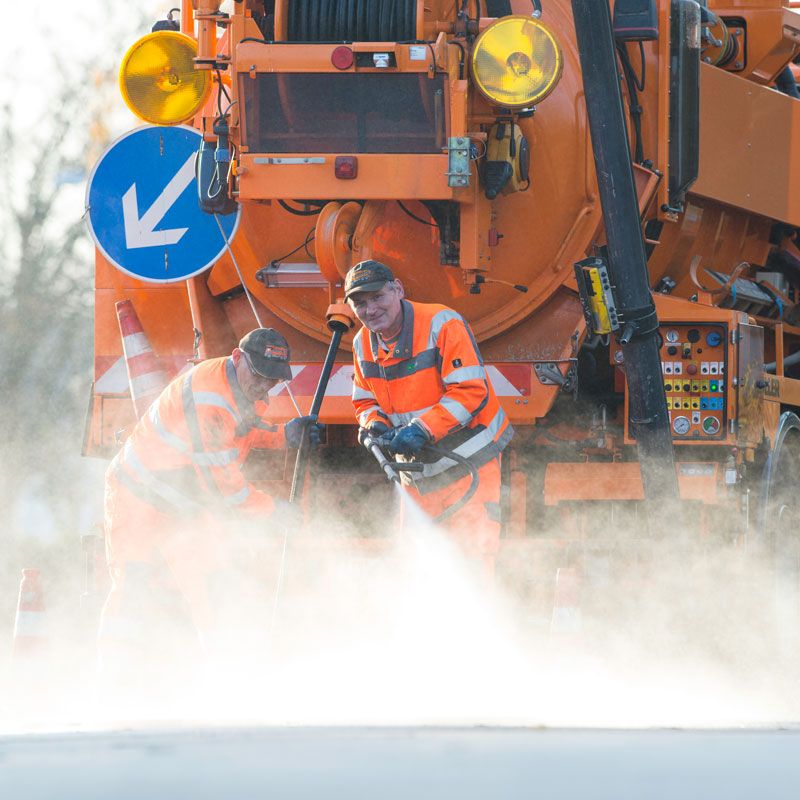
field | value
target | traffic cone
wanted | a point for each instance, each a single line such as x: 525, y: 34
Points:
x: 145, y: 376
x: 567, y: 618
x: 29, y: 633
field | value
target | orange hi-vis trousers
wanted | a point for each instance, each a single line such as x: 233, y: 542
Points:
x: 476, y: 526
x: 152, y: 556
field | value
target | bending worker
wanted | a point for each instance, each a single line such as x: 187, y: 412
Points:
x: 179, y: 478
x: 419, y: 379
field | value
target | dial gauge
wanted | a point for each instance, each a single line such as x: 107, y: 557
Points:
x: 681, y: 425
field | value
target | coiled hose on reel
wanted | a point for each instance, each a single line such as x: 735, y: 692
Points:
x: 352, y: 20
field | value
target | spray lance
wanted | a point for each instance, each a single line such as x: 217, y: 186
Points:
x: 340, y: 320
x: 392, y: 469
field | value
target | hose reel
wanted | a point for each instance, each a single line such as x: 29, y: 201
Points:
x: 352, y: 21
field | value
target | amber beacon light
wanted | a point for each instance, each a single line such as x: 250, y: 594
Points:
x: 158, y: 80
x: 516, y: 62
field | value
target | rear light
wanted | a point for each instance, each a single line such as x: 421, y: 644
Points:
x: 346, y: 167
x: 342, y: 58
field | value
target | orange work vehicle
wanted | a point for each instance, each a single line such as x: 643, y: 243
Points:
x: 451, y: 140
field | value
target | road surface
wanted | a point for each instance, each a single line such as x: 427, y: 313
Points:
x: 408, y: 763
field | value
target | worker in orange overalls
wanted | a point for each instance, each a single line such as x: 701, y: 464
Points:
x: 419, y: 379
x: 177, y: 484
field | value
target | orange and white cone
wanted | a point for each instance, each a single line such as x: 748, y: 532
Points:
x: 146, y: 377
x: 29, y: 628
x: 567, y: 617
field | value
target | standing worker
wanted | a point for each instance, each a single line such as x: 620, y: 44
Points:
x: 419, y: 379
x: 177, y: 484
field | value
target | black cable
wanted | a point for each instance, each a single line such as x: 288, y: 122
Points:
x: 537, y: 6
x: 473, y: 487
x: 633, y: 98
x: 276, y: 262
x: 300, y: 212
x: 352, y: 20
x: 463, y: 59
x: 414, y: 216
x: 221, y: 90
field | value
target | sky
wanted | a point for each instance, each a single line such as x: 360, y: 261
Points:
x: 61, y: 36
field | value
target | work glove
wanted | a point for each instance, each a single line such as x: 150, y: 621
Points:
x: 293, y: 431
x: 409, y: 439
x: 377, y: 430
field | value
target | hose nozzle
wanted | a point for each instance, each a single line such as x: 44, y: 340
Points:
x: 386, y: 465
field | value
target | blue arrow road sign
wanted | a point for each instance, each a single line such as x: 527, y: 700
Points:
x: 143, y: 211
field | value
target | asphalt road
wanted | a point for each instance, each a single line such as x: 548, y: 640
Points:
x: 408, y: 763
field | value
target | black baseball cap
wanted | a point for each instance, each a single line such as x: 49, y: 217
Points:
x: 366, y: 276
x: 268, y: 353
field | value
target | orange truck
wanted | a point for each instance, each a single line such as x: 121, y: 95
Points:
x: 451, y: 140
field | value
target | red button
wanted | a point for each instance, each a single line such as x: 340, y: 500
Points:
x: 692, y: 369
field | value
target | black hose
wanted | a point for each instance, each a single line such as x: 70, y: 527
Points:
x: 298, y: 212
x: 789, y: 361
x: 473, y: 487
x: 352, y: 20
x: 414, y: 466
x: 635, y: 85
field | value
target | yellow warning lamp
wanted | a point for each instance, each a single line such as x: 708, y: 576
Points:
x: 158, y: 80
x: 516, y: 62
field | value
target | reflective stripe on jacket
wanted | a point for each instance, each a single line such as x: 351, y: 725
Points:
x: 187, y: 451
x: 434, y: 373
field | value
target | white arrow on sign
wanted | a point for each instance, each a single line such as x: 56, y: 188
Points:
x: 139, y: 230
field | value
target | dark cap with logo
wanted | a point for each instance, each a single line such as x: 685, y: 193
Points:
x: 366, y: 276
x: 268, y: 353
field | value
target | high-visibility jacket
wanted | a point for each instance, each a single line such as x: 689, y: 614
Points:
x: 434, y: 373
x: 185, y: 455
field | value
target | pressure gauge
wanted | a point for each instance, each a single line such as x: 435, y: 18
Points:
x: 672, y: 336
x: 681, y: 425
x: 711, y: 426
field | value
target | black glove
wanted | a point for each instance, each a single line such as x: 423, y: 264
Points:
x: 376, y: 430
x: 409, y: 439
x: 293, y: 431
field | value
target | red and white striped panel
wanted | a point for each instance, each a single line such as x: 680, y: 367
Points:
x: 111, y: 375
x: 508, y: 380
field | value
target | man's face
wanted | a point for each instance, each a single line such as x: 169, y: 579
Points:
x: 253, y: 386
x: 381, y: 311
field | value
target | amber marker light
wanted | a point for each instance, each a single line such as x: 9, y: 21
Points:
x: 516, y: 62
x: 158, y: 81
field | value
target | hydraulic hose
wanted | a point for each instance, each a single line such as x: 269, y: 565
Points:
x: 352, y: 20
x: 789, y: 361
x: 392, y: 468
x: 473, y: 486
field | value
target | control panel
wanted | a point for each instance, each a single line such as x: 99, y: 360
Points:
x: 694, y: 369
